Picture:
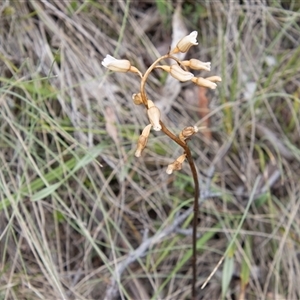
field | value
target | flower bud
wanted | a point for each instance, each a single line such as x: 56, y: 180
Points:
x: 146, y: 131
x: 176, y: 165
x: 118, y: 65
x: 214, y: 78
x: 196, y: 64
x: 204, y: 82
x: 187, y: 132
x: 154, y: 117
x: 137, y: 99
x: 142, y: 141
x: 186, y: 43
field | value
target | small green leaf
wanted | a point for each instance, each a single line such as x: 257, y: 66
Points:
x: 227, y: 274
x: 45, y: 192
x: 245, y: 270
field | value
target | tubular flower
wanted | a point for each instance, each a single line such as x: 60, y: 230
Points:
x: 205, y: 82
x: 118, y: 65
x: 176, y: 165
x: 196, y: 64
x: 187, y: 132
x: 154, y: 117
x: 186, y: 43
x: 142, y: 141
x: 178, y: 73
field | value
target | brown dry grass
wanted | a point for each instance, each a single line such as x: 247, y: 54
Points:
x: 66, y: 221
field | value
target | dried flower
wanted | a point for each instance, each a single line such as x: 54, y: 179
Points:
x: 186, y: 43
x: 187, y: 132
x: 118, y: 65
x: 137, y: 99
x: 196, y: 64
x: 176, y: 165
x: 177, y: 72
x: 154, y: 117
x: 204, y: 82
x: 142, y: 141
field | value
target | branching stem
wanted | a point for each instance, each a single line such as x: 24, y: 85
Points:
x: 147, y: 73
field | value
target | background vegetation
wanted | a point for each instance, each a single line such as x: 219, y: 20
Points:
x: 75, y: 202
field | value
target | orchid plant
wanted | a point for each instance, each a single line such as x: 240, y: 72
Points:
x: 180, y: 71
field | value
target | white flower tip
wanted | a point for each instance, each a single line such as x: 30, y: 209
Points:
x: 103, y: 63
x: 138, y: 153
x: 157, y: 128
x: 194, y: 35
x: 196, y: 129
x: 107, y: 60
x: 207, y: 65
x: 169, y: 170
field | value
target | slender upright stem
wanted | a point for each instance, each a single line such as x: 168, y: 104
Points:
x: 191, y: 162
x: 196, y: 203
x: 195, y: 219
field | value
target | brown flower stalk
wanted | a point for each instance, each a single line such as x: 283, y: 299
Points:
x: 178, y: 71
